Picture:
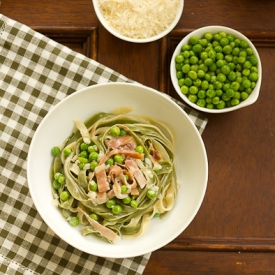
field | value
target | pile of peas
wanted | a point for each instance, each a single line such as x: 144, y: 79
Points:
x: 217, y: 70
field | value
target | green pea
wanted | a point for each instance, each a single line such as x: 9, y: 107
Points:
x: 186, y: 68
x: 93, y: 156
x: 91, y: 149
x: 185, y: 47
x: 235, y: 85
x: 201, y: 102
x: 118, y: 158
x: 193, y: 90
x: 244, y: 95
x: 204, y: 85
x: 235, y: 101
x: 188, y: 81
x: 219, y: 56
x: 181, y: 82
x: 110, y: 161
x: 201, y: 94
x: 194, y: 40
x: 116, y: 209
x: 115, y: 131
x: 230, y: 92
x: 179, y: 75
x: 94, y: 216
x: 220, y: 63
x: 84, y: 146
x: 67, y: 151
x: 184, y: 89
x: 124, y: 189
x: 227, y: 49
x: 93, y: 186
x: 209, y: 106
x: 151, y: 194
x: 246, y: 83
x: 74, y: 221
x: 93, y: 165
x: 237, y: 95
x: 139, y: 149
x: 186, y: 54
x: 179, y: 58
x: 218, y: 49
x: 219, y: 92
x: 65, y: 195
x: 215, y: 100
x: 122, y: 132
x: 127, y: 200
x: 56, y: 184
x: 225, y: 69
x: 221, y: 104
x: 55, y: 151
x: 134, y: 203
x: 178, y: 68
x: 192, y: 74
x: 244, y: 44
x: 253, y: 76
x: 232, y: 76
x: 241, y: 59
x: 203, y: 42
x: 221, y: 77
x: 61, y: 179
x: 208, y: 62
x: 192, y: 98
x: 83, y: 154
x: 208, y: 36
x: 193, y: 59
x: 110, y: 203
x: 200, y: 73
x: 197, y: 48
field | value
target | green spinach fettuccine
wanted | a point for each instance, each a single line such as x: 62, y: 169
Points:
x: 114, y: 174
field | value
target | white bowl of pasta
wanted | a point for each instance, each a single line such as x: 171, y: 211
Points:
x: 110, y: 174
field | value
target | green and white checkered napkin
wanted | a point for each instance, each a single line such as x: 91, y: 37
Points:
x: 35, y: 74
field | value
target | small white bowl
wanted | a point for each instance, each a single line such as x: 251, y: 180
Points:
x: 141, y: 40
x: 199, y: 33
x: 190, y: 160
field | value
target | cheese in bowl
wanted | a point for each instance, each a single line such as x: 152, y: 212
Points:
x: 139, y: 21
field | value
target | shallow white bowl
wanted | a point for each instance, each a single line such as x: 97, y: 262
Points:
x: 199, y: 33
x: 143, y: 40
x: 190, y: 158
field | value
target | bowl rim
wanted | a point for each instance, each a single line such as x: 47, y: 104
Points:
x: 125, y: 254
x: 255, y: 93
x: 136, y: 40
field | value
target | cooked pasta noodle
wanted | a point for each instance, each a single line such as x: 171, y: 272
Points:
x: 118, y: 173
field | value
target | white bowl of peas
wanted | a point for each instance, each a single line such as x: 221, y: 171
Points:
x: 216, y: 69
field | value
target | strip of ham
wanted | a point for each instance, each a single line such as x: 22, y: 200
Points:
x: 119, y: 141
x: 132, y: 166
x: 104, y: 231
x: 101, y: 178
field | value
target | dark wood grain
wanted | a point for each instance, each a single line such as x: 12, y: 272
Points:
x: 234, y: 230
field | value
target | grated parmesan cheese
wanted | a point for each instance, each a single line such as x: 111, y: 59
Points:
x: 139, y: 18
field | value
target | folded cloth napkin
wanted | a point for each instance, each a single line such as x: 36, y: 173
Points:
x: 35, y: 74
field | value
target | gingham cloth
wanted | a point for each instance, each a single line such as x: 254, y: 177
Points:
x: 35, y: 74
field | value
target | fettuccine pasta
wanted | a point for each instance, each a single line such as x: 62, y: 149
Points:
x: 114, y: 174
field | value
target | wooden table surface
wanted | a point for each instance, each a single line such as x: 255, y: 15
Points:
x: 234, y: 230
